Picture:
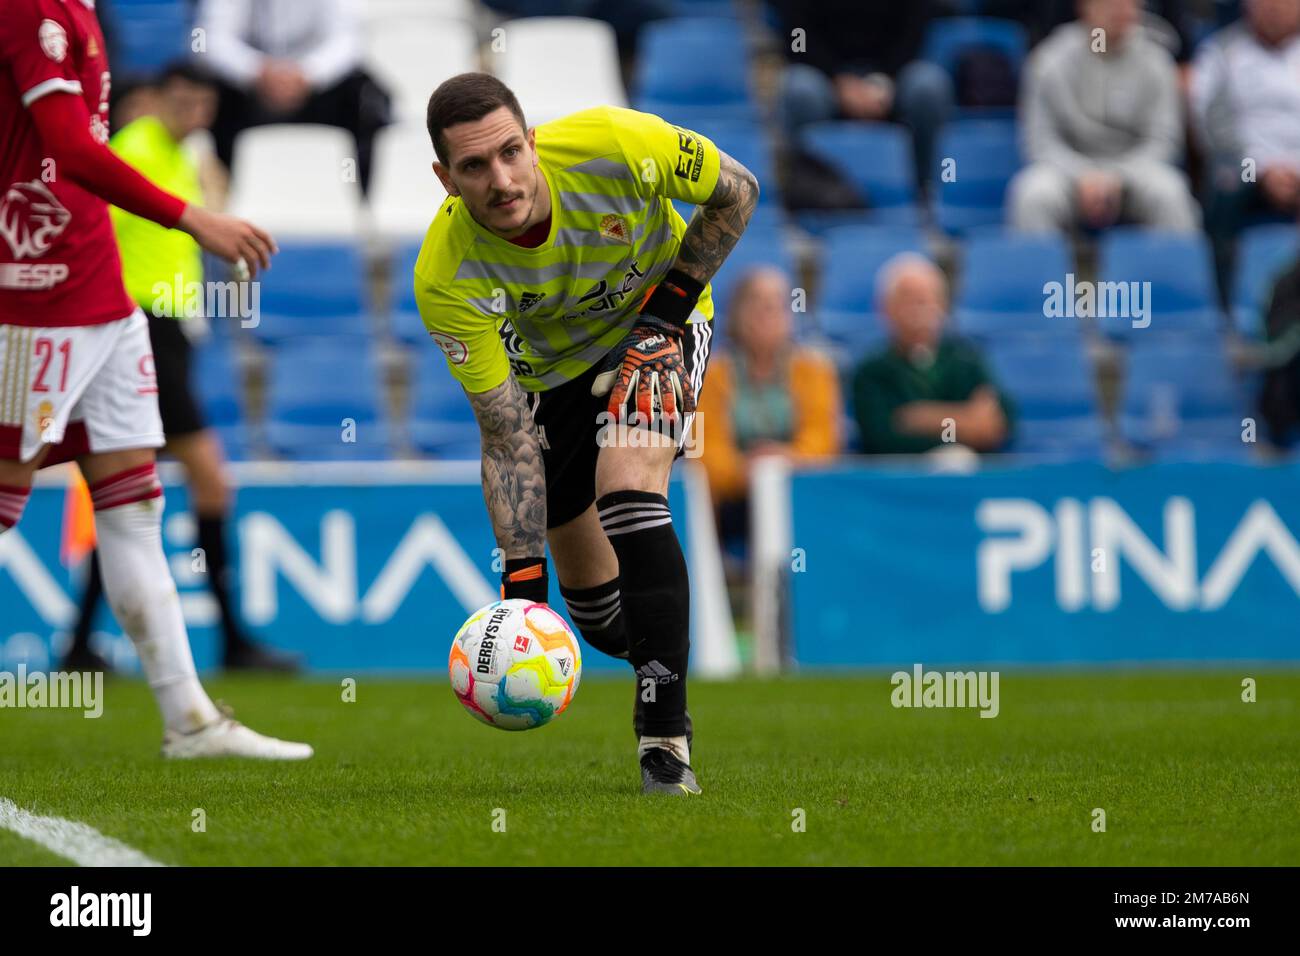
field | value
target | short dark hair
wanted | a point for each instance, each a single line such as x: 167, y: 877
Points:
x: 183, y: 70
x: 464, y: 99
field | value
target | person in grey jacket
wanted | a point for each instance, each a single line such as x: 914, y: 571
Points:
x: 1102, y: 128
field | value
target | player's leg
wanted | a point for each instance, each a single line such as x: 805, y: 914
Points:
x: 117, y: 416
x: 632, y: 505
x: 128, y: 502
x: 16, y: 488
x: 200, y: 454
x: 199, y: 451
x: 80, y: 656
x: 587, y: 569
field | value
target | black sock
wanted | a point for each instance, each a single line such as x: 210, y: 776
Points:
x: 598, y: 613
x: 212, y: 539
x: 90, y: 599
x: 656, y: 602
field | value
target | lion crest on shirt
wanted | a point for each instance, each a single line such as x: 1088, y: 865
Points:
x: 31, y: 218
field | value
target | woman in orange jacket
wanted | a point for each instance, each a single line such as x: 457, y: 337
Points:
x: 765, y: 396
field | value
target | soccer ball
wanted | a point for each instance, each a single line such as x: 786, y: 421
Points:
x: 515, y: 665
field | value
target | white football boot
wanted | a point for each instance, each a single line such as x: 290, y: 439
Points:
x: 227, y: 737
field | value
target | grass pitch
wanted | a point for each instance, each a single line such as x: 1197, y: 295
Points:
x: 1186, y: 773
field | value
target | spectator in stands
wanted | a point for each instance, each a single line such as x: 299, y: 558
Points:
x: 1245, y: 102
x: 1279, y: 402
x: 857, y: 60
x: 765, y: 396
x: 924, y: 391
x: 290, y: 61
x: 1102, y: 127
x: 1171, y: 23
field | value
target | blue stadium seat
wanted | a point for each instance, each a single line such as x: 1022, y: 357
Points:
x: 313, y: 289
x: 1181, y: 395
x: 758, y: 247
x: 314, y: 278
x: 818, y: 222
x: 151, y: 35
x: 874, y: 157
x: 1000, y: 292
x: 705, y: 8
x: 694, y: 61
x: 1263, y: 253
x: 405, y: 322
x: 947, y: 38
x: 1052, y: 386
x: 1180, y: 270
x: 313, y: 388
x: 985, y: 154
x: 852, y: 256
x: 441, y: 421
x: 219, y: 388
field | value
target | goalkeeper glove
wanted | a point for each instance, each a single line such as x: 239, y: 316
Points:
x: 645, y: 373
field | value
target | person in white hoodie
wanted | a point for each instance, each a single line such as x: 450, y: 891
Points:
x: 1102, y: 128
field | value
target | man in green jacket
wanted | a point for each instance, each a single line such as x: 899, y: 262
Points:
x: 161, y: 269
x: 925, y: 391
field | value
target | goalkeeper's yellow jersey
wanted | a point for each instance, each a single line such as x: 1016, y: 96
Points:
x: 549, y: 313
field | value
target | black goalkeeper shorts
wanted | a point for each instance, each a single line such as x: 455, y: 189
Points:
x: 172, y: 360
x: 568, y: 419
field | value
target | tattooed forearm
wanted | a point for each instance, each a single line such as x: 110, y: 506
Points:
x: 717, y: 225
x: 514, y: 482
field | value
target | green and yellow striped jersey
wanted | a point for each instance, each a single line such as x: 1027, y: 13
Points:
x: 549, y: 313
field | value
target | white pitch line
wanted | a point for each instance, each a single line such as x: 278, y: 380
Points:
x: 82, y: 844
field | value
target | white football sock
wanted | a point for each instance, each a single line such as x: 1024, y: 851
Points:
x: 142, y: 593
x: 677, y: 746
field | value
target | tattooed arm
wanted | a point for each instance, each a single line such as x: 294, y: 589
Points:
x: 717, y: 225
x: 514, y: 482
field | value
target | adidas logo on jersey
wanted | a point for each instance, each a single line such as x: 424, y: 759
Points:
x: 529, y: 299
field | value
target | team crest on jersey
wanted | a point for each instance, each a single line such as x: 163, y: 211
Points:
x: 455, y: 350
x: 54, y: 40
x: 31, y: 218
x: 44, y: 416
x: 615, y: 227
x: 529, y: 299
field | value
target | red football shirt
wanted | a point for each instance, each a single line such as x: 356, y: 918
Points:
x: 59, y: 264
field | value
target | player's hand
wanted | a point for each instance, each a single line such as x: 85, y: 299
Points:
x: 646, y: 375
x: 230, y: 238
x: 1099, y: 196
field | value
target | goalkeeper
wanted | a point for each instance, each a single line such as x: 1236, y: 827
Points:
x: 572, y: 303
